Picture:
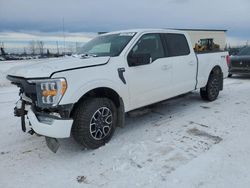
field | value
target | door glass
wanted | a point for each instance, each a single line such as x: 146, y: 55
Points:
x: 149, y: 44
x: 177, y: 45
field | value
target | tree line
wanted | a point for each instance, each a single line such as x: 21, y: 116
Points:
x: 36, y: 47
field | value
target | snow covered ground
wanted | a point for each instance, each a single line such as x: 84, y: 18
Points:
x: 182, y: 142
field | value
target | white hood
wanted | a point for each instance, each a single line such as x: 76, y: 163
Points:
x: 45, y: 67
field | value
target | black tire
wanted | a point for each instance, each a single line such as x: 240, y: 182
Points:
x: 212, y: 89
x: 93, y: 114
x: 230, y: 75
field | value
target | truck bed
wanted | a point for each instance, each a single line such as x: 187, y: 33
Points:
x: 206, y: 61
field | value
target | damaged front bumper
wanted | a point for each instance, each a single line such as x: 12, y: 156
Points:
x: 53, y: 123
x: 42, y: 123
x: 47, y: 126
x: 52, y: 127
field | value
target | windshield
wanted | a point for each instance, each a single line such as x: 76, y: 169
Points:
x: 244, y: 51
x: 107, y: 45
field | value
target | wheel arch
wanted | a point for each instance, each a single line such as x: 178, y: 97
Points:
x: 217, y: 70
x: 104, y: 92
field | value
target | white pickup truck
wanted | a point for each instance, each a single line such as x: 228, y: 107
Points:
x: 87, y: 96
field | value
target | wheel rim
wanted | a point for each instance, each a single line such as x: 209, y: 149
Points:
x: 101, y: 123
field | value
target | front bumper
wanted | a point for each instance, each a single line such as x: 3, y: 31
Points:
x: 55, y: 124
x: 57, y: 128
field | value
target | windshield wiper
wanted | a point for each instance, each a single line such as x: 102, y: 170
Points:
x: 86, y: 55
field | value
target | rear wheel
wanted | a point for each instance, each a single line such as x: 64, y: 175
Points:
x: 212, y: 89
x: 94, y: 122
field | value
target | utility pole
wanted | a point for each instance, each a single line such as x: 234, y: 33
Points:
x: 63, y: 38
x: 24, y: 51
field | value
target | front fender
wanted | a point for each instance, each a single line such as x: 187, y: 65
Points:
x: 76, y: 91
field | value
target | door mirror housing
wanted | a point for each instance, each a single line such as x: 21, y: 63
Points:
x: 139, y: 59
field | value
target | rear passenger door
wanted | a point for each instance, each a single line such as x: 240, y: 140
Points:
x: 183, y: 61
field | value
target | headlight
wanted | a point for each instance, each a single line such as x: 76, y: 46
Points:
x: 49, y: 91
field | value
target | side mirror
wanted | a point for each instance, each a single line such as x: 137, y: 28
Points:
x: 139, y: 59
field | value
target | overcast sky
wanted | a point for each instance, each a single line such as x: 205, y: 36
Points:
x: 108, y: 15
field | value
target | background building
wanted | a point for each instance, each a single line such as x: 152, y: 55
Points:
x: 219, y: 36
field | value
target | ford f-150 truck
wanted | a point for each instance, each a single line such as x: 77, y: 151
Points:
x: 87, y: 96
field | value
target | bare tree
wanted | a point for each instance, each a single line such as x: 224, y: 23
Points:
x: 57, y: 49
x: 2, y: 49
x: 24, y: 51
x: 32, y: 47
x: 40, y: 46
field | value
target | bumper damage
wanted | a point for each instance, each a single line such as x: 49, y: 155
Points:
x: 49, y: 127
x: 41, y: 123
x: 53, y: 123
x: 52, y: 127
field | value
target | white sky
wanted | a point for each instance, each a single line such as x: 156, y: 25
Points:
x: 43, y: 16
x: 97, y: 15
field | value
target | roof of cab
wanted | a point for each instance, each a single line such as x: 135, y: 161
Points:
x: 145, y: 31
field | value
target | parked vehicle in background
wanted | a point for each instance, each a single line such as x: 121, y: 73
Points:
x: 240, y: 63
x: 233, y: 51
x: 88, y: 96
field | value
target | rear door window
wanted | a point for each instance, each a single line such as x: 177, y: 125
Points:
x: 176, y: 44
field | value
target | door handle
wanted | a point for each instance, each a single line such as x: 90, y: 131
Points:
x: 191, y: 63
x: 166, y: 67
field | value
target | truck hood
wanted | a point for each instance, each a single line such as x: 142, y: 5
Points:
x: 46, y: 67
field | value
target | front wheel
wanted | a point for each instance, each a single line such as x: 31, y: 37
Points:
x: 94, y: 122
x: 212, y: 89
